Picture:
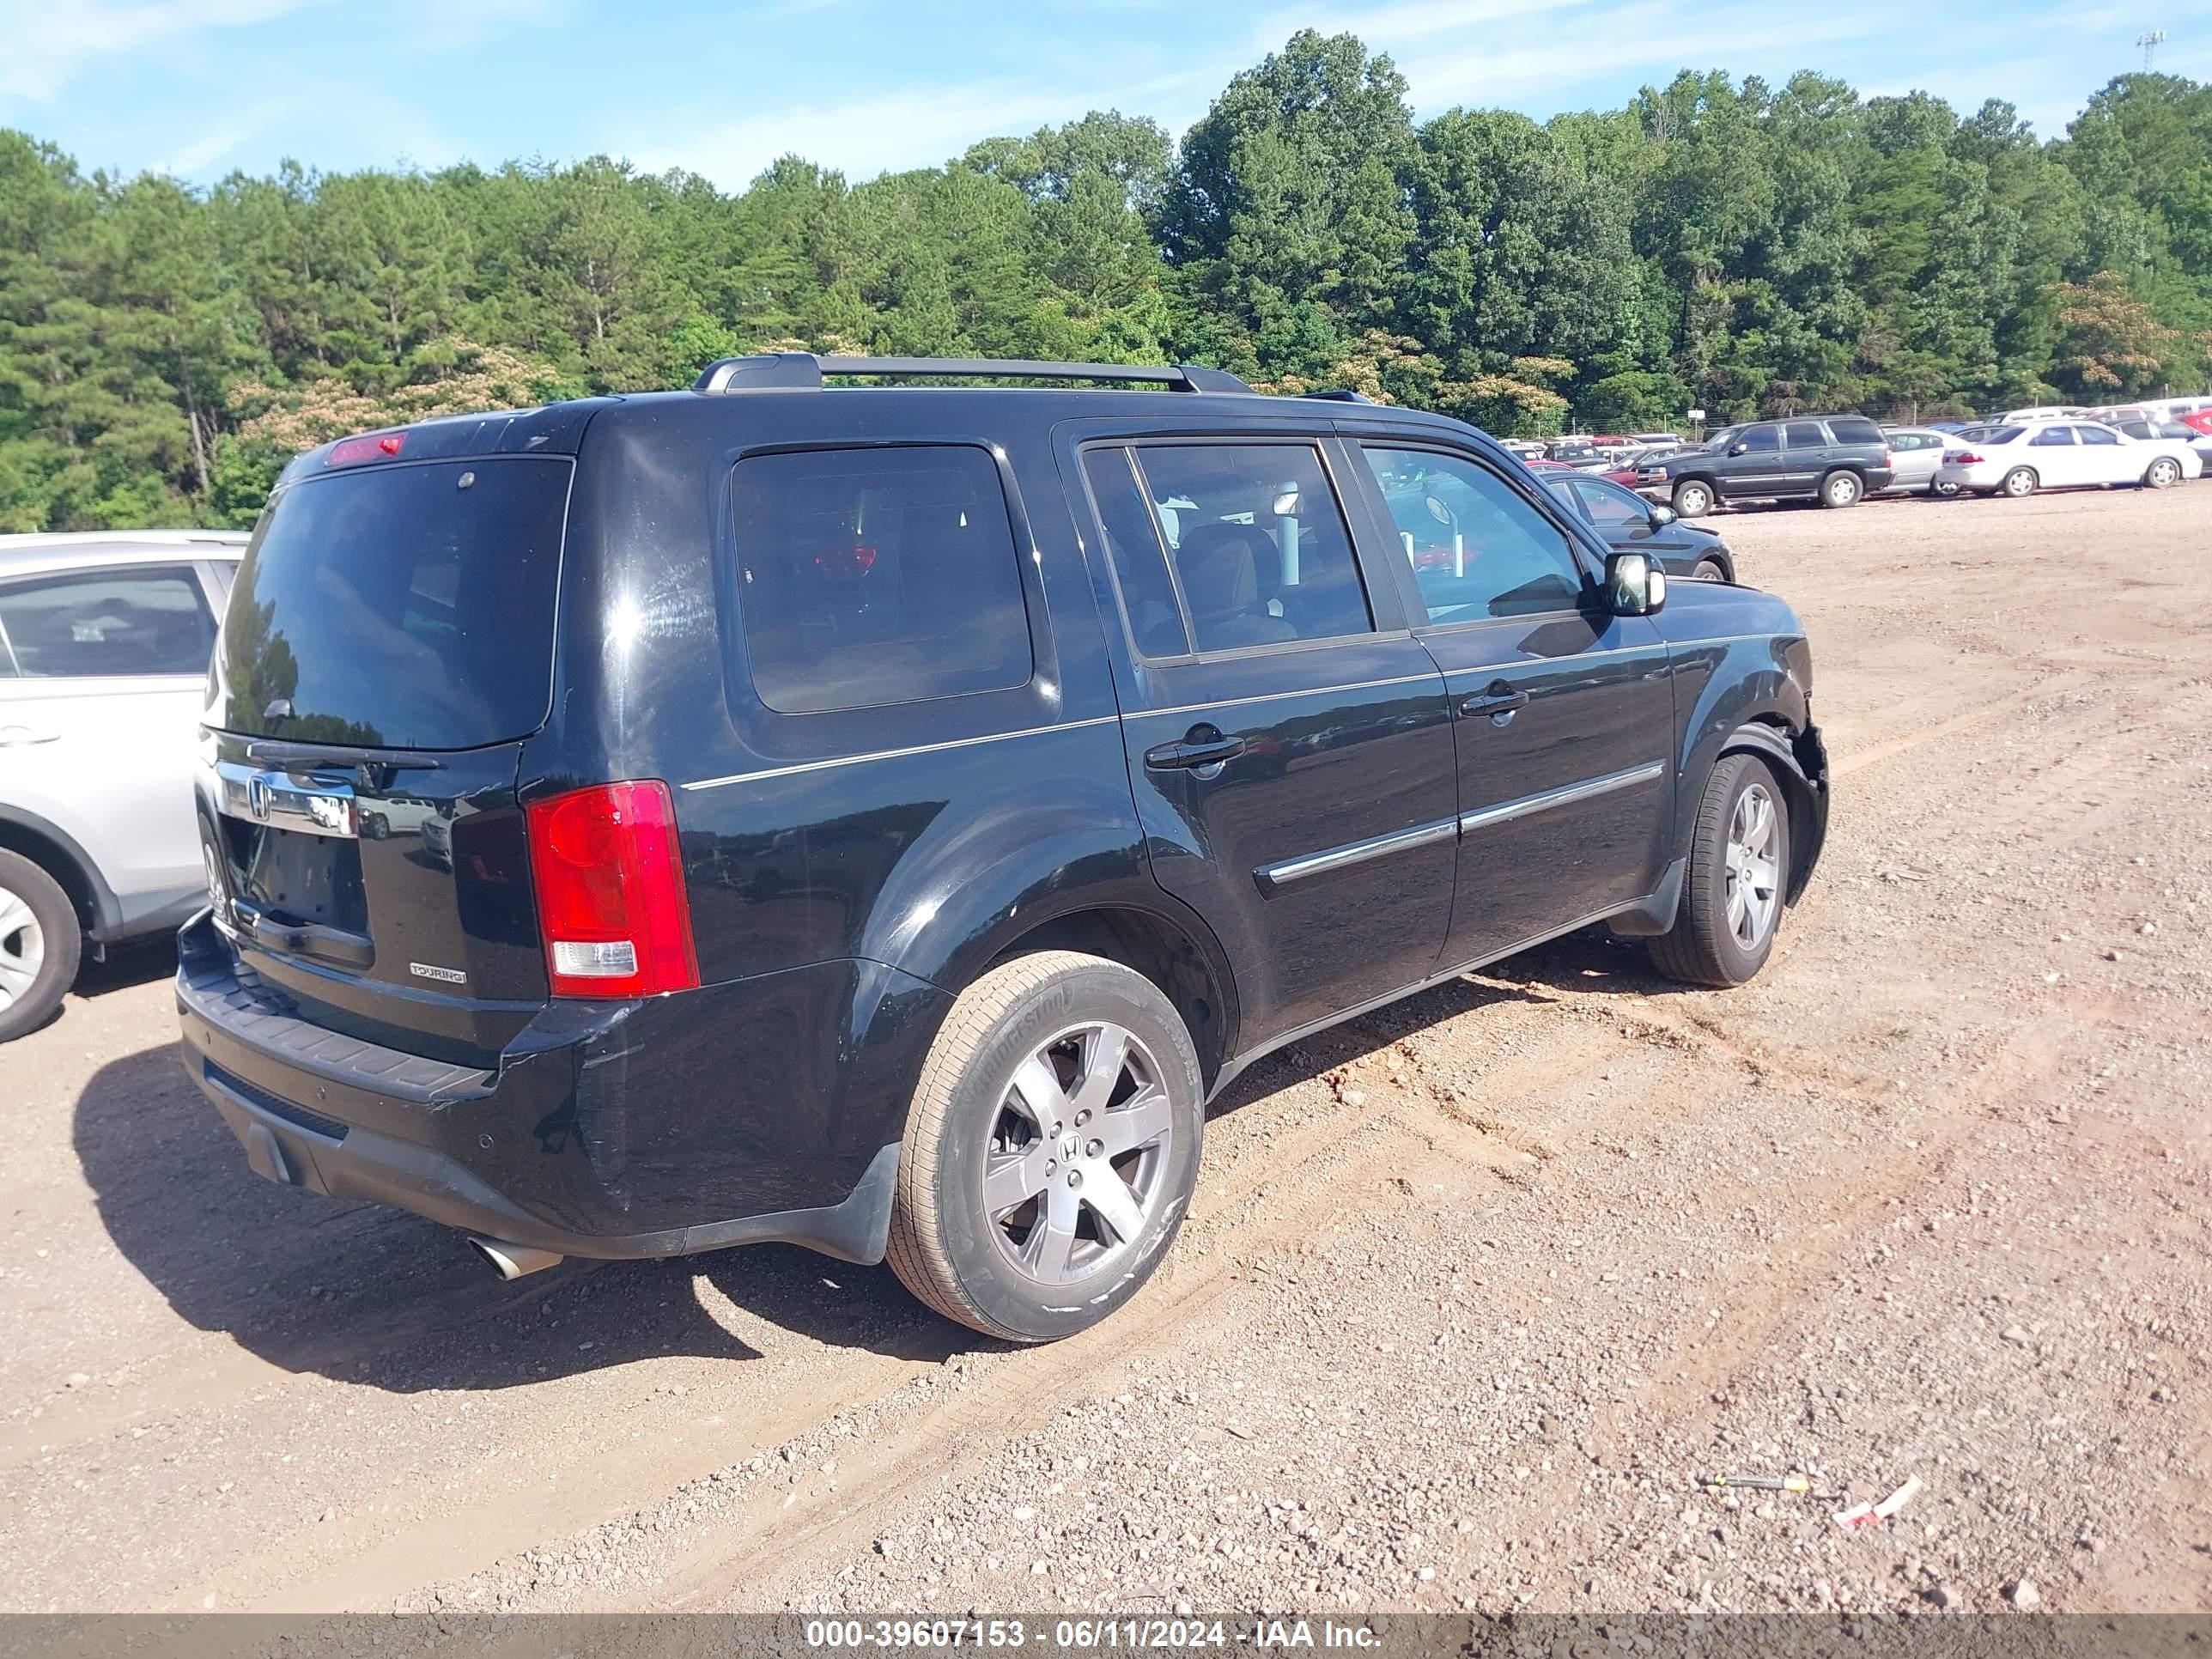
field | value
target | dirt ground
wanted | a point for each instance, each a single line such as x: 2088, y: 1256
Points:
x: 1474, y: 1288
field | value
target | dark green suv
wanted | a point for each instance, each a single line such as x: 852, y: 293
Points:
x: 1836, y: 461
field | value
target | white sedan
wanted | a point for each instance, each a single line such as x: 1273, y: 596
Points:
x: 2022, y: 457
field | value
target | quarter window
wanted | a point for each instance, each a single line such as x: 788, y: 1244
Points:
x: 105, y: 625
x: 870, y: 576
x: 1258, y: 542
x: 1477, y: 548
x: 1133, y: 547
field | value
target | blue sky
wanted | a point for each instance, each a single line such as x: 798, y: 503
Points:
x: 199, y: 87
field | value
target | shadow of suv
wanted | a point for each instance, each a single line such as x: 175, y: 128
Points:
x: 1837, y: 460
x: 881, y: 818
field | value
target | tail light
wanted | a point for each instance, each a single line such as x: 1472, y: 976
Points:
x: 611, y: 906
x: 1961, y: 457
x: 1889, y: 458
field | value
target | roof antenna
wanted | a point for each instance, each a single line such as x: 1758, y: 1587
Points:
x: 2150, y: 42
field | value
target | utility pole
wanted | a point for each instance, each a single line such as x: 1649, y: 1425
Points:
x: 2150, y: 42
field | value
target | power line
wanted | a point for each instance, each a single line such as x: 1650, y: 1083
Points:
x: 2150, y: 42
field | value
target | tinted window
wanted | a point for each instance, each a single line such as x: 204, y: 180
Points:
x: 407, y: 606
x: 2096, y: 435
x: 1259, y: 544
x: 1132, y: 546
x: 1758, y: 440
x: 1478, y: 549
x: 1855, y: 429
x: 2173, y: 429
x: 1805, y: 434
x: 102, y: 624
x: 2053, y: 437
x: 1609, y: 507
x: 869, y: 576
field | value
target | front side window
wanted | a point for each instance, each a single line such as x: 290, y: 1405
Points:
x: 1477, y: 548
x: 1609, y: 506
x: 1760, y: 440
x: 1259, y: 544
x: 103, y: 624
x: 871, y: 576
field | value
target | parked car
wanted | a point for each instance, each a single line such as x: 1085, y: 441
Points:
x: 880, y: 818
x: 1915, y: 453
x: 1836, y: 460
x: 2044, y: 412
x: 2153, y: 431
x: 1628, y: 523
x: 2022, y: 457
x: 103, y: 644
x: 1660, y: 440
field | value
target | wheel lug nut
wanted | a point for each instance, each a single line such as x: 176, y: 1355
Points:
x: 1075, y: 1177
x: 1051, y: 1167
x: 1094, y: 1148
x: 1082, y: 1118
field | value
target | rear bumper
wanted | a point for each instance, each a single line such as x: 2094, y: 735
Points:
x: 584, y: 1140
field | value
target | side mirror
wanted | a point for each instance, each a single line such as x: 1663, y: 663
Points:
x: 1663, y: 515
x: 1739, y: 449
x: 1635, y: 585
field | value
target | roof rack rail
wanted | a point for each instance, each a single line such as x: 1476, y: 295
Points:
x: 807, y: 368
x: 1342, y: 394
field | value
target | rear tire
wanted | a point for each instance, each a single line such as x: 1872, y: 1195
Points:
x: 1693, y: 500
x: 1739, y: 845
x: 2165, y: 472
x: 2019, y: 483
x: 40, y: 945
x: 1043, y: 1068
x: 1842, y: 489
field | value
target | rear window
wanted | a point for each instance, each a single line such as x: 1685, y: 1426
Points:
x: 1855, y: 429
x: 870, y: 576
x: 405, y: 606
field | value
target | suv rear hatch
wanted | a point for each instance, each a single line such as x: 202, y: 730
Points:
x: 388, y: 646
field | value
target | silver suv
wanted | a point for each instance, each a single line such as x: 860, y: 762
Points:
x: 104, y: 639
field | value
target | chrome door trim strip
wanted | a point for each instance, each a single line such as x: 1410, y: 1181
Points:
x: 1504, y: 812
x: 824, y: 765
x: 1434, y: 677
x: 1272, y: 877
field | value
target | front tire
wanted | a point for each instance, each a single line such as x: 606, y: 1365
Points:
x: 1052, y: 1148
x: 40, y: 945
x: 1733, y: 888
x: 2165, y: 472
x: 2019, y: 483
x: 1693, y: 500
x: 1708, y: 570
x: 1842, y: 489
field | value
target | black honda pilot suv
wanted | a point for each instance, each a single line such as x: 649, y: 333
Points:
x: 881, y: 818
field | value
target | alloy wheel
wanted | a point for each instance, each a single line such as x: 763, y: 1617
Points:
x: 1074, y: 1175
x: 1754, y: 867
x: 23, y: 948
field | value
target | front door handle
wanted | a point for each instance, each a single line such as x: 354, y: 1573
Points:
x: 1500, y: 700
x: 1202, y: 746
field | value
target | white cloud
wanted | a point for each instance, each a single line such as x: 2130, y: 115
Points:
x: 50, y: 41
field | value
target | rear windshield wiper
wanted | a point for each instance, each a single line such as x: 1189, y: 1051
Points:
x: 268, y: 752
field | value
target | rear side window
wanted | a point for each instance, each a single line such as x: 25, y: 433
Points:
x: 105, y: 624
x: 406, y: 606
x: 1805, y: 434
x: 2095, y: 434
x: 1261, y: 551
x: 871, y: 576
x: 1855, y: 429
x: 2053, y: 437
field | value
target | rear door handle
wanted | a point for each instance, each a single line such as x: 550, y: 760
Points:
x: 1202, y: 745
x: 1500, y: 700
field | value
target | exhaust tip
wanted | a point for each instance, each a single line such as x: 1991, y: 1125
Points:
x: 513, y: 1261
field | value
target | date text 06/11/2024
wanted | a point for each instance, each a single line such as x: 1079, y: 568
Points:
x: 1085, y: 1634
